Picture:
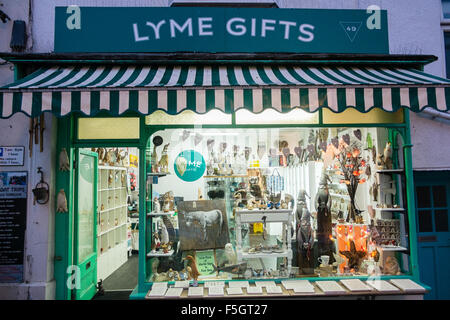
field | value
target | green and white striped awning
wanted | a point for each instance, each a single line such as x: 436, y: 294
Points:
x: 145, y: 89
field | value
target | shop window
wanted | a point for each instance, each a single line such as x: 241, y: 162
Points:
x: 447, y: 52
x: 425, y: 221
x: 270, y: 116
x: 108, y: 128
x: 268, y: 203
x: 446, y: 9
x: 188, y: 117
x: 423, y: 196
x: 352, y: 115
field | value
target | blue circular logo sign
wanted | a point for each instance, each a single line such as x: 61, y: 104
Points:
x: 189, y: 165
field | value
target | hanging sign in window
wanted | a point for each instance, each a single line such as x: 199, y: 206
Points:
x: 189, y: 165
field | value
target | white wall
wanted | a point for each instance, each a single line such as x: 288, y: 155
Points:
x: 39, y: 235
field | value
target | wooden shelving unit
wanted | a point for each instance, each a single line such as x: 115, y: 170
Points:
x: 112, y: 224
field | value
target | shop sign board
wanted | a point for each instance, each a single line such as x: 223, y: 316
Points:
x: 11, y: 156
x: 200, y: 29
x: 13, y: 207
x: 189, y: 165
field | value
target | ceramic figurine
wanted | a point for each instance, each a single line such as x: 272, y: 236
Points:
x: 197, y: 138
x: 168, y: 201
x: 189, y: 273
x: 391, y: 266
x: 64, y: 164
x: 61, y: 202
x: 387, y: 155
x: 305, y: 242
x: 247, y: 152
x: 323, y: 204
x: 194, y: 271
x: 230, y: 254
x: 101, y: 154
x: 163, y: 232
x: 163, y: 163
x: 185, y: 135
x: 156, y: 242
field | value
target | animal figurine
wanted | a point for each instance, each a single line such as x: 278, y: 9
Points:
x: 156, y: 242
x: 239, y: 268
x: 380, y: 162
x: 387, y: 155
x: 61, y: 202
x: 163, y: 232
x: 192, y: 265
x: 168, y: 202
x: 230, y: 254
x: 154, y: 161
x: 391, y: 266
x: 164, y: 161
x: 64, y: 164
x: 156, y: 205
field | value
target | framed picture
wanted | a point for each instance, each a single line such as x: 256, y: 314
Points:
x: 202, y: 224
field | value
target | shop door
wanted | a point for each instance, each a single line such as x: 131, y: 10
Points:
x: 433, y: 207
x: 85, y: 225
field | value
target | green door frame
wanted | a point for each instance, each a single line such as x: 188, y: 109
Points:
x: 64, y: 221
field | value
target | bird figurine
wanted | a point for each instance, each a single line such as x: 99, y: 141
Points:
x: 62, y: 202
x: 164, y: 161
x: 387, y: 155
x: 230, y: 254
x: 193, y: 266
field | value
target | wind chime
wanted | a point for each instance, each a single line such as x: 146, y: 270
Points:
x: 36, y: 130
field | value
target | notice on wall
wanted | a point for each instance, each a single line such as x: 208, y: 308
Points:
x: 11, y: 156
x: 13, y: 211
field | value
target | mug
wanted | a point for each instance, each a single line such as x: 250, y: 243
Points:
x: 324, y: 260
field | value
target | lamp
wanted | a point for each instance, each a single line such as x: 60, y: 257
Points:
x: 18, y: 36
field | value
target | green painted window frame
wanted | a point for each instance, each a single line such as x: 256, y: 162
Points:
x: 69, y: 139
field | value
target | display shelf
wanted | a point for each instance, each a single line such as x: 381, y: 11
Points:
x: 159, y: 214
x: 341, y: 196
x: 159, y: 254
x: 256, y: 255
x: 158, y: 174
x: 390, y: 209
x: 391, y: 171
x: 227, y: 176
x: 393, y: 248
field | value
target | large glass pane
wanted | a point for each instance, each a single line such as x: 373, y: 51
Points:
x: 439, y: 196
x: 447, y: 47
x: 270, y: 203
x: 423, y: 197
x: 446, y: 8
x: 425, y: 221
x: 441, y: 220
x: 86, y: 193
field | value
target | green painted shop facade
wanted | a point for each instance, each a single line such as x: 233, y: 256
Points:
x: 127, y: 80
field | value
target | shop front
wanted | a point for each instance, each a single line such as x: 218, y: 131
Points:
x: 269, y: 174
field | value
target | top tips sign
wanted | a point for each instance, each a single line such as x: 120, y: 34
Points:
x: 190, y: 29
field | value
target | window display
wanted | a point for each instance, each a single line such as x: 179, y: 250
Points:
x: 274, y: 203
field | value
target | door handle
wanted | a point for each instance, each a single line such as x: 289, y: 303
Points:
x: 88, y: 265
x: 58, y: 258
